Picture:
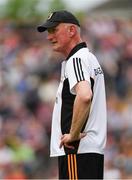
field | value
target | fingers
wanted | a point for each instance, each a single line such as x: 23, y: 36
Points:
x: 66, y: 140
x: 82, y: 135
x: 69, y: 146
x: 61, y: 144
x: 66, y: 145
x: 62, y: 140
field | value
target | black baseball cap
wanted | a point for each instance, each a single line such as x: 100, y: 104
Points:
x: 56, y: 18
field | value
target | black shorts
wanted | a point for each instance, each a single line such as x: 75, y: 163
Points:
x: 81, y: 166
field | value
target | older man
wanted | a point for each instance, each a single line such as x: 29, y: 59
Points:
x: 78, y: 134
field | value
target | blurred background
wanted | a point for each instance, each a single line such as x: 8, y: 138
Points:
x: 29, y: 76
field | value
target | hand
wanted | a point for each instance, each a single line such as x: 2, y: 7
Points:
x: 66, y: 139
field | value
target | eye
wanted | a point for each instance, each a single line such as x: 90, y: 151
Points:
x: 51, y: 30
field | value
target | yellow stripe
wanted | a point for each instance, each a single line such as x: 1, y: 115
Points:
x: 75, y: 161
x: 69, y: 167
x: 72, y: 165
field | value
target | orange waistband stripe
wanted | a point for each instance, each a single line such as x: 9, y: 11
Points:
x: 69, y: 167
x: 75, y: 162
x: 72, y: 167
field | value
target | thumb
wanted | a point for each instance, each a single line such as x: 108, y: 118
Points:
x: 82, y: 135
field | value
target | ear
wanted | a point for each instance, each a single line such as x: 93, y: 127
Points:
x: 72, y: 30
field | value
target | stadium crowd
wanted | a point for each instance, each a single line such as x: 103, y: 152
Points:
x: 29, y: 76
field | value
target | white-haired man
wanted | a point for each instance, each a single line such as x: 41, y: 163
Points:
x: 78, y: 134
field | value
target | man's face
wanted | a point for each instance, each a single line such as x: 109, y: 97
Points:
x: 59, y: 37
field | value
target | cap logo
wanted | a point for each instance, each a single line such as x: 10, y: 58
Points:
x: 49, y: 17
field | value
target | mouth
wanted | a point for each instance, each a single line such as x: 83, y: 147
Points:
x: 54, y: 42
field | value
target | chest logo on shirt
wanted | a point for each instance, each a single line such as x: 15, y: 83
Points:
x: 98, y: 71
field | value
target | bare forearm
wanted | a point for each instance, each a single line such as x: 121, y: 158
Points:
x: 81, y: 110
x: 80, y: 113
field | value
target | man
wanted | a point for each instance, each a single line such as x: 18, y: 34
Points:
x: 78, y: 134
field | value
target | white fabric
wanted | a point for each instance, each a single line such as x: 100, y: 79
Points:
x: 95, y: 139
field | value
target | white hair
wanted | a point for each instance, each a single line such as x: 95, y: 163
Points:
x: 77, y: 27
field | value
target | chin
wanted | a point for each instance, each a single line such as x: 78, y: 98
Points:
x: 56, y: 49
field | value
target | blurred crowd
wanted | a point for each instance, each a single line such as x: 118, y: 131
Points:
x: 29, y: 76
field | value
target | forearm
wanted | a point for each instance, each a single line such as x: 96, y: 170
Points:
x: 80, y: 113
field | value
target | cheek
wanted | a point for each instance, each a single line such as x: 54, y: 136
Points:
x: 63, y: 39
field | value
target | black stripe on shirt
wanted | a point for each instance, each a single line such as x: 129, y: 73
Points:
x: 81, y: 69
x: 78, y: 69
x: 66, y: 115
x: 74, y: 62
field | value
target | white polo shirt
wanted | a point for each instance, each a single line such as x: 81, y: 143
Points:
x: 81, y: 65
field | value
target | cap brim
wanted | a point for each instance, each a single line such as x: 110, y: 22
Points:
x: 47, y: 25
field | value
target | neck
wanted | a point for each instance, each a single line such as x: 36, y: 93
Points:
x: 71, y: 45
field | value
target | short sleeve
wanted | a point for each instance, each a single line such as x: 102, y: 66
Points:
x: 77, y: 70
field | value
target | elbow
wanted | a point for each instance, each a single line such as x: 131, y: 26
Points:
x: 86, y: 98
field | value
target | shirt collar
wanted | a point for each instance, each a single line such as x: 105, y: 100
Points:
x: 76, y: 48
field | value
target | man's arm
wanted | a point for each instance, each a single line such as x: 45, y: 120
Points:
x: 80, y: 112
